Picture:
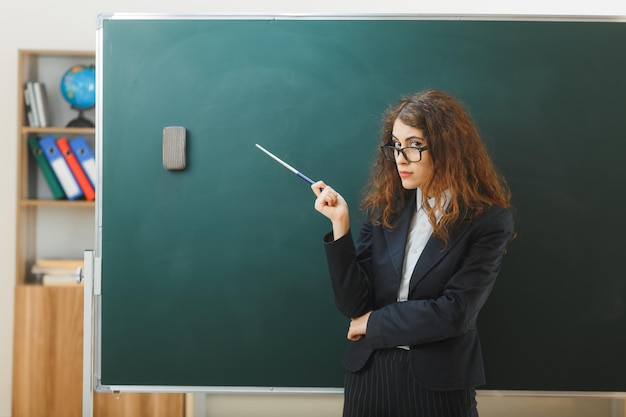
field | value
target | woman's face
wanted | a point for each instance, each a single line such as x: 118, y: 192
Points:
x: 412, y: 174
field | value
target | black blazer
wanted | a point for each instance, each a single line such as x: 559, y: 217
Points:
x: 449, y: 285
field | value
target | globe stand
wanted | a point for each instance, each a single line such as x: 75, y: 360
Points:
x: 80, y: 121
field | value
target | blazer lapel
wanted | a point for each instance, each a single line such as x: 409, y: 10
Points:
x: 434, y: 252
x: 396, y: 237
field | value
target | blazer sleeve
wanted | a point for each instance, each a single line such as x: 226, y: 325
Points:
x: 469, y: 271
x: 350, y: 271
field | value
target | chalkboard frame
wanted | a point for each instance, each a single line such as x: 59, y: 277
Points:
x: 95, y: 297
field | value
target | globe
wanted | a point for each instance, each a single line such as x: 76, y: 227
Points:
x: 78, y: 87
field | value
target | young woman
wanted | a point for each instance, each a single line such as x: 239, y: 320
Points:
x: 427, y: 256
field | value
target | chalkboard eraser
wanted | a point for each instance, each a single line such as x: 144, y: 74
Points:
x: 174, y: 144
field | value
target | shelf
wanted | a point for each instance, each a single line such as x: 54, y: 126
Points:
x: 55, y: 52
x: 56, y: 203
x: 59, y: 130
x: 47, y: 227
x: 48, y: 319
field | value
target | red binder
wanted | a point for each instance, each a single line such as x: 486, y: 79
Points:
x: 76, y: 168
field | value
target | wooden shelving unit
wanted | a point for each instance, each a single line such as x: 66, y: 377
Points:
x: 48, y: 228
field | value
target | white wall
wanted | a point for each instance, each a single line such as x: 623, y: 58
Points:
x: 70, y: 24
x: 330, y: 406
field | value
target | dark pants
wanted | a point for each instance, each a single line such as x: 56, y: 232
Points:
x: 385, y: 387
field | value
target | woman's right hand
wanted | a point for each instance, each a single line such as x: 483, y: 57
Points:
x: 332, y: 205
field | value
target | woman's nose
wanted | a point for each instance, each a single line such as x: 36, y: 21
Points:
x: 401, y: 158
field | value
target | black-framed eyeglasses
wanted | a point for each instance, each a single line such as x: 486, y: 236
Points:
x: 410, y: 153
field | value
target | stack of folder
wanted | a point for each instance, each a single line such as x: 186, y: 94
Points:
x: 36, y: 104
x: 56, y: 271
x: 69, y: 166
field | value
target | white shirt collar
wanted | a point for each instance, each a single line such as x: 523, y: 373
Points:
x: 431, y: 201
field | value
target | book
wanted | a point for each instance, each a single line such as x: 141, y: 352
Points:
x: 29, y: 108
x: 77, y: 169
x: 86, y: 157
x: 57, y: 271
x: 46, y: 265
x: 46, y: 169
x: 48, y: 279
x: 31, y: 105
x: 41, y: 104
x: 62, y: 171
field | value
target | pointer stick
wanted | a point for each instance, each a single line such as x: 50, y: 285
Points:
x: 286, y: 165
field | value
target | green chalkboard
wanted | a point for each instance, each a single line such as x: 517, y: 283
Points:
x: 215, y: 276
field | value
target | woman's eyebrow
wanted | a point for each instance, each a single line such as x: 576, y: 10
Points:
x: 410, y: 137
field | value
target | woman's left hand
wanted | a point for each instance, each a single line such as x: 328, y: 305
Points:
x: 358, y: 327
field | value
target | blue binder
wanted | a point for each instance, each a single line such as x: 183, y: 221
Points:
x: 61, y: 169
x: 85, y: 156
